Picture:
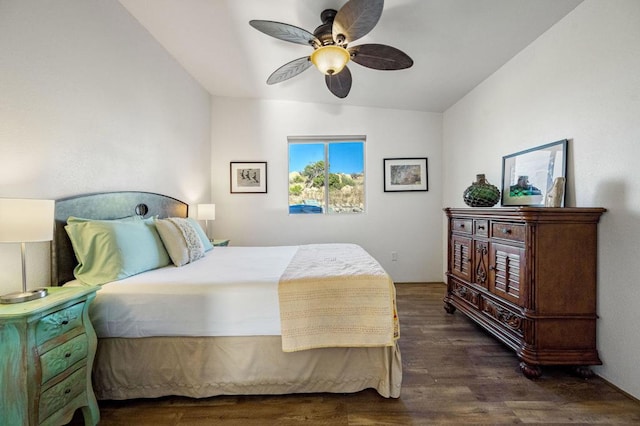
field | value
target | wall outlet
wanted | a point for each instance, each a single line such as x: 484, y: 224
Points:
x: 394, y: 256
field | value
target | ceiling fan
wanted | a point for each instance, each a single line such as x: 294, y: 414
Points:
x: 330, y: 45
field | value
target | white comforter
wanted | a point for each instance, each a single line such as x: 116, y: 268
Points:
x: 232, y: 291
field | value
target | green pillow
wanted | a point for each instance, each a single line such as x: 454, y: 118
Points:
x: 110, y: 250
x: 74, y: 219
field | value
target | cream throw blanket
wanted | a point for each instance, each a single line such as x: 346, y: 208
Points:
x: 336, y: 295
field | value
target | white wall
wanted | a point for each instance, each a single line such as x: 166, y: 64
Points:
x: 581, y: 81
x: 90, y: 102
x: 409, y: 223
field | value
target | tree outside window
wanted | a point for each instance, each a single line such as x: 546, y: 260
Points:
x: 326, y: 176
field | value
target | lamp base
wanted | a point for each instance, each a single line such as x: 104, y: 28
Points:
x: 23, y: 296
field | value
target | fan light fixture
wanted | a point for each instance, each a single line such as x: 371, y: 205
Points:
x: 330, y: 59
x: 338, y: 30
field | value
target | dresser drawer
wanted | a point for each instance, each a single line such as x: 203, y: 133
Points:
x: 466, y: 293
x: 61, y: 394
x: 481, y: 228
x: 58, y: 323
x: 64, y: 356
x: 462, y: 225
x: 507, y: 231
x: 509, y: 319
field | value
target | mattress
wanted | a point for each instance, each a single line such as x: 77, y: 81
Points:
x: 232, y: 291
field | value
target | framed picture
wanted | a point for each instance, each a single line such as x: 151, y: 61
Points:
x: 528, y: 175
x: 405, y: 174
x: 248, y: 177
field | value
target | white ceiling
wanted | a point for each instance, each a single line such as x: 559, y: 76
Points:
x: 455, y: 45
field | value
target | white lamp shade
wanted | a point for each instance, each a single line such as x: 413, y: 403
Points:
x: 206, y: 211
x: 23, y: 220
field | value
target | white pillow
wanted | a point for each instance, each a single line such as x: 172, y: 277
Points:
x: 181, y: 239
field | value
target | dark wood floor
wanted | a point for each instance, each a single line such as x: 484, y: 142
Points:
x: 454, y: 373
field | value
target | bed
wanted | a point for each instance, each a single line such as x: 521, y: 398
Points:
x: 237, y: 320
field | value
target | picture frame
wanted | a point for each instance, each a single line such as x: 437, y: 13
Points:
x: 406, y: 174
x: 528, y: 175
x: 248, y: 177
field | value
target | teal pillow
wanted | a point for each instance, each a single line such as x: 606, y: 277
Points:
x: 203, y: 236
x: 110, y: 250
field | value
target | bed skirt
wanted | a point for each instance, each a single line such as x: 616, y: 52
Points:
x: 201, y: 367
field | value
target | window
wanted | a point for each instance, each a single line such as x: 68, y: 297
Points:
x: 326, y: 175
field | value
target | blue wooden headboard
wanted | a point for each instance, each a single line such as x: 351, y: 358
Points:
x: 105, y: 205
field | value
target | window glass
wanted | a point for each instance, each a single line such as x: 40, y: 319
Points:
x: 326, y: 176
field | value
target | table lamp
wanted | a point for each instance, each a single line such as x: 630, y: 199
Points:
x: 24, y: 221
x: 207, y: 212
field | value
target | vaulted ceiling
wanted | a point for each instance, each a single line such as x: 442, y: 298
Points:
x: 455, y: 45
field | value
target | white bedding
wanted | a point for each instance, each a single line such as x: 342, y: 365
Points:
x: 232, y: 291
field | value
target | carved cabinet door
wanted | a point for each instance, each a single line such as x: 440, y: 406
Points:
x: 461, y: 257
x: 506, y: 271
x: 481, y: 263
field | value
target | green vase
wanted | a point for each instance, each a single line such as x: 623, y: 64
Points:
x: 481, y: 193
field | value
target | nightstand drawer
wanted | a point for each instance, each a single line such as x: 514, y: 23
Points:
x: 64, y: 356
x: 61, y: 394
x: 58, y: 323
x: 47, y: 347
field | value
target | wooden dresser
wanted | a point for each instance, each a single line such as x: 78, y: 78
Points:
x: 528, y: 276
x: 47, y: 352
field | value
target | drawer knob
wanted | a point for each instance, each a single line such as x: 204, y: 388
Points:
x: 65, y: 322
x: 462, y: 225
x: 67, y: 391
x: 67, y: 355
x: 481, y: 227
x: 506, y: 230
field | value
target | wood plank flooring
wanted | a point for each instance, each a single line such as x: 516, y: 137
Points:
x: 454, y: 373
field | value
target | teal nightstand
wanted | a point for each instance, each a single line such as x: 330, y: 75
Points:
x: 220, y: 243
x: 47, y: 352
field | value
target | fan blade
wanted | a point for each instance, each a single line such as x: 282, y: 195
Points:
x: 339, y: 84
x: 288, y: 70
x: 355, y: 19
x: 380, y: 57
x: 285, y: 32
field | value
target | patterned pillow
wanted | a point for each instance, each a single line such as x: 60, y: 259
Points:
x: 181, y: 239
x: 203, y: 236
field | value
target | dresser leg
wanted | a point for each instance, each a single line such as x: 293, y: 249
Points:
x: 530, y: 371
x: 449, y: 308
x: 582, y: 371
